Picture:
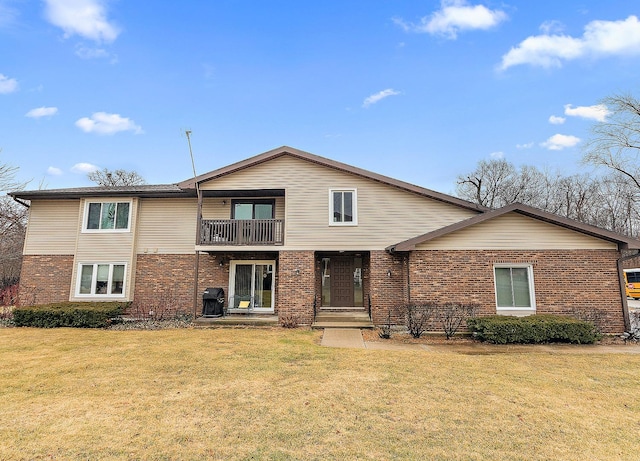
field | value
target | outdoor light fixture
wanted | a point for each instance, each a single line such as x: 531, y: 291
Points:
x: 388, y: 272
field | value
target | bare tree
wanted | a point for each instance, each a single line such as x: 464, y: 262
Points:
x: 13, y: 224
x: 616, y: 141
x: 608, y: 201
x: 108, y: 178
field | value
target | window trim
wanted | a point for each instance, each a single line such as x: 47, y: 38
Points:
x: 532, y: 289
x: 94, y: 280
x: 354, y: 206
x: 85, y: 217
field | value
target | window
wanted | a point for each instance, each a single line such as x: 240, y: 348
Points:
x: 252, y: 209
x: 251, y: 286
x: 101, y: 279
x: 514, y: 287
x: 107, y: 216
x: 342, y: 207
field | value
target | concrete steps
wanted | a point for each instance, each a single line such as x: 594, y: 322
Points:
x: 342, y: 319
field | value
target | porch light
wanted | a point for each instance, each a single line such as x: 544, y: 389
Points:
x: 388, y: 272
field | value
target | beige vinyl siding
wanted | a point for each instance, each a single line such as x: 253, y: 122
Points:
x: 386, y: 215
x: 514, y: 231
x: 105, y: 247
x: 220, y: 207
x: 53, y: 227
x: 167, y: 226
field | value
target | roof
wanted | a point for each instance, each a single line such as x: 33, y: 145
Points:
x: 290, y: 151
x: 160, y: 190
x: 622, y: 241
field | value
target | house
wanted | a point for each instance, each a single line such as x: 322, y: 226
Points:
x: 291, y: 233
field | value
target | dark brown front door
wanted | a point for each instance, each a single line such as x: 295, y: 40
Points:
x: 342, y: 269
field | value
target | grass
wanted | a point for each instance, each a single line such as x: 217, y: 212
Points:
x: 277, y: 395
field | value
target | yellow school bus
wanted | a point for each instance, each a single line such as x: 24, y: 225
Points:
x: 632, y: 283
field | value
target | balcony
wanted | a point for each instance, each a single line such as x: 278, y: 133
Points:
x: 241, y: 232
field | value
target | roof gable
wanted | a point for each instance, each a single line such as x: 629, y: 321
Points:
x: 622, y: 241
x: 306, y: 156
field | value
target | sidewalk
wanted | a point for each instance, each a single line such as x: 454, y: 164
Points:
x: 352, y: 338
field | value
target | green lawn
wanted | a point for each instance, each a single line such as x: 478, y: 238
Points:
x: 276, y: 394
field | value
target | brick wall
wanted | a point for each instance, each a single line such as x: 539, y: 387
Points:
x: 45, y: 279
x: 164, y: 284
x: 295, y: 285
x: 388, y: 289
x: 565, y: 281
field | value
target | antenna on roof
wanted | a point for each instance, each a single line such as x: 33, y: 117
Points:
x: 193, y: 163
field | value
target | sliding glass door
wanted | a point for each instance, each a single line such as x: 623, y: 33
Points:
x: 251, y: 286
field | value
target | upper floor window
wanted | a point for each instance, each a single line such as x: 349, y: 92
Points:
x: 252, y: 209
x: 107, y: 216
x: 343, y: 207
x: 514, y: 287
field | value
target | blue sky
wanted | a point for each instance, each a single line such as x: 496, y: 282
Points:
x: 417, y: 90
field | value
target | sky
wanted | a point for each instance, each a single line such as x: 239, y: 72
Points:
x: 417, y: 90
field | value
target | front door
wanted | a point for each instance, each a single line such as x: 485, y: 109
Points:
x: 341, y: 280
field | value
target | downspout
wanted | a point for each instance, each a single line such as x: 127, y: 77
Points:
x: 24, y: 204
x: 623, y: 292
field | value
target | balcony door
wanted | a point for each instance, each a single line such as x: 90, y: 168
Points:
x: 252, y: 209
x: 251, y: 286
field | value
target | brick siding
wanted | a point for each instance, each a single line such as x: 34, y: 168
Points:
x: 565, y: 281
x: 295, y: 285
x: 45, y: 279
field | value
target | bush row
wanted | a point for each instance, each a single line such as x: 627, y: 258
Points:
x: 77, y: 315
x: 533, y: 329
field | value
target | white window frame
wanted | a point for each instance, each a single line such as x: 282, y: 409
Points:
x: 85, y: 218
x: 94, y: 280
x: 532, y: 289
x: 354, y: 206
x: 232, y: 284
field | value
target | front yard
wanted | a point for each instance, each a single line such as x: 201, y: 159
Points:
x: 276, y: 394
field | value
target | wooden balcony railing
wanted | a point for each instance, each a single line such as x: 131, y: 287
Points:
x: 242, y: 232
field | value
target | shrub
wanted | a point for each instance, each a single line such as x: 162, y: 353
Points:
x: 289, y: 321
x: 385, y: 329
x: 453, y: 314
x: 500, y: 329
x: 417, y: 317
x: 78, y: 315
x: 9, y: 295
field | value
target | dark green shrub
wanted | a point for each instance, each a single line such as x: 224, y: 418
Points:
x: 77, y: 315
x: 533, y: 329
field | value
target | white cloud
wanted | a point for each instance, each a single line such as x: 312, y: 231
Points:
x: 53, y: 171
x: 556, y: 120
x: 598, y: 112
x: 374, y: 98
x: 497, y: 155
x: 600, y: 38
x: 560, y: 141
x: 8, y: 85
x: 84, y: 168
x: 42, y: 112
x: 455, y: 16
x: 103, y: 123
x: 528, y: 145
x: 85, y: 52
x: 86, y: 18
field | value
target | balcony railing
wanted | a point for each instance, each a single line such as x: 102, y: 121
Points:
x: 242, y: 232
